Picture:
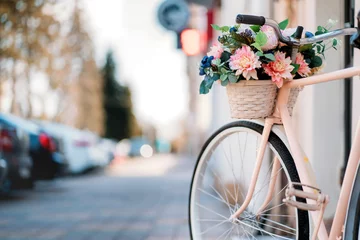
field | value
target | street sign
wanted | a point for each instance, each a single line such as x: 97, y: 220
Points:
x: 174, y: 15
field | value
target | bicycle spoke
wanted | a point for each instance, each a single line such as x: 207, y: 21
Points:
x: 278, y: 215
x: 273, y: 198
x: 207, y: 230
x: 225, y: 189
x: 274, y: 227
x: 260, y: 229
x: 230, y: 160
x: 226, y: 231
x: 293, y: 229
x: 219, y: 199
x: 202, y: 206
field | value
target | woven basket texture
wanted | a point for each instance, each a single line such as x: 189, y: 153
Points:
x: 256, y: 99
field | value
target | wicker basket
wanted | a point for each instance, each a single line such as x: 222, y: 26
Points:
x: 256, y: 99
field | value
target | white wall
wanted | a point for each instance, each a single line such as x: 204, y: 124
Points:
x: 319, y: 113
x: 356, y: 82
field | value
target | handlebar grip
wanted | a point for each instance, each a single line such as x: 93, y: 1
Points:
x: 298, y: 32
x: 250, y: 19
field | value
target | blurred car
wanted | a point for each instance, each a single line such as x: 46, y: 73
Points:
x: 42, y: 148
x: 140, y: 146
x: 100, y: 151
x: 109, y: 146
x: 75, y: 144
x: 15, y: 161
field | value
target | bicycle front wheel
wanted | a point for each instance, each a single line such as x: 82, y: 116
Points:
x: 220, y: 183
x: 352, y: 224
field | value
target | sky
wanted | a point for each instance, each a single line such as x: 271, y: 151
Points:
x: 148, y: 61
x: 146, y: 53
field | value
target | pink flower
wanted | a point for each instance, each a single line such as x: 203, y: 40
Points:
x: 304, y: 69
x: 279, y: 69
x: 216, y: 50
x: 272, y: 38
x: 245, y: 62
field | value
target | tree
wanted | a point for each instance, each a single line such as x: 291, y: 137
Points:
x: 120, y: 121
x: 27, y: 35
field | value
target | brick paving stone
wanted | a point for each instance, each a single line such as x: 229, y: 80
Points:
x: 101, y: 206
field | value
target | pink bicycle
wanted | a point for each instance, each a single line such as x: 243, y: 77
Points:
x: 253, y: 181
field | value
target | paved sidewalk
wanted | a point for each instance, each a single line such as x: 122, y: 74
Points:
x: 138, y: 199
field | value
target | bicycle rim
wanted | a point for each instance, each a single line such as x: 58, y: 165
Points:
x: 213, y: 198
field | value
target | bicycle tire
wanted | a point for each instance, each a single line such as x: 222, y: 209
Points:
x: 303, y: 225
x: 351, y: 230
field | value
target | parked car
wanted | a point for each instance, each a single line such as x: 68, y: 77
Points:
x: 75, y: 143
x: 15, y: 160
x: 140, y: 146
x: 109, y: 146
x: 42, y: 148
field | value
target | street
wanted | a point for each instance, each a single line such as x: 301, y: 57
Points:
x: 134, y: 199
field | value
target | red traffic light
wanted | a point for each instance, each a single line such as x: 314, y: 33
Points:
x: 191, y: 41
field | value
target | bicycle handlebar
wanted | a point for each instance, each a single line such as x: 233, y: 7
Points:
x: 292, y: 41
x: 250, y: 19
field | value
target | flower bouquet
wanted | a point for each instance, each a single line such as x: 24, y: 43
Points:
x: 254, y: 52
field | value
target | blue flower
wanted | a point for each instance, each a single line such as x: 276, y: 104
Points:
x: 308, y: 34
x: 233, y: 29
x: 204, y: 60
x: 202, y: 72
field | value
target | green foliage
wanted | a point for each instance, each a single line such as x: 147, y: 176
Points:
x: 270, y: 56
x: 225, y: 56
x: 232, y: 40
x: 296, y: 68
x: 260, y: 40
x: 232, y: 78
x: 316, y: 61
x: 284, y: 24
x: 203, y: 88
x: 255, y: 28
x: 117, y: 104
x: 218, y: 28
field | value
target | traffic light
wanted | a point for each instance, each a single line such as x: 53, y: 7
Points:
x: 191, y: 41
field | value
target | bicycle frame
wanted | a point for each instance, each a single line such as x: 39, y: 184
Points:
x: 306, y: 174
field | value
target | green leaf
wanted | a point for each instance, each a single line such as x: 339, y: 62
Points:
x: 284, y: 24
x: 257, y: 46
x: 334, y: 42
x: 208, y: 82
x: 270, y: 56
x: 261, y: 38
x: 216, y: 27
x: 319, y: 48
x: 232, y: 78
x: 260, y: 54
x: 223, y: 77
x: 316, y: 61
x: 216, y: 62
x: 225, y: 28
x: 305, y: 47
x: 224, y: 83
x: 255, y: 28
x: 225, y: 56
x: 203, y: 89
x: 215, y: 77
x: 296, y: 68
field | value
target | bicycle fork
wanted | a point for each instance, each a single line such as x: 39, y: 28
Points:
x: 314, y: 199
x: 269, y: 122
